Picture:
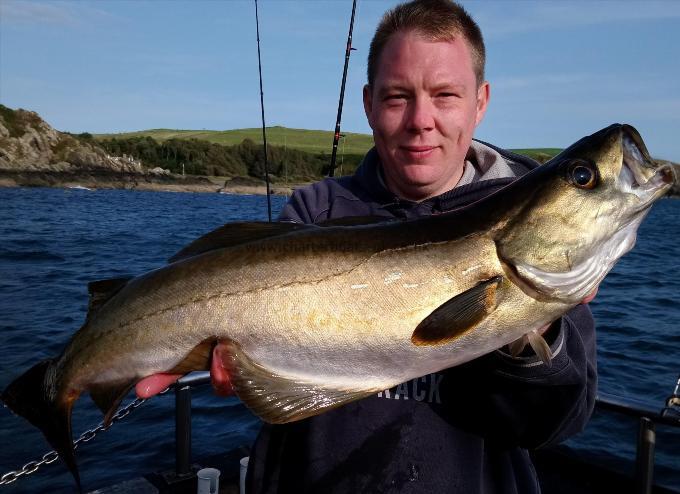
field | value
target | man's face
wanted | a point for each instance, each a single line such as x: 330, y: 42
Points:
x: 423, y: 108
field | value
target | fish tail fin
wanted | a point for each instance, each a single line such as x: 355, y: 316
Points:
x: 32, y: 397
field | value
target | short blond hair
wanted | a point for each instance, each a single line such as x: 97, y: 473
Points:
x: 437, y: 20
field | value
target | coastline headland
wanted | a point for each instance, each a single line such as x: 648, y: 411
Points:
x: 34, y: 154
x: 97, y: 179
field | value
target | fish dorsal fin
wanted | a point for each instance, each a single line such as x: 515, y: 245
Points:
x: 102, y: 290
x: 279, y: 399
x: 458, y: 315
x: 357, y: 220
x: 233, y: 234
x: 108, y: 396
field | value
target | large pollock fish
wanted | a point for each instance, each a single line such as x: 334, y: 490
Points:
x: 315, y: 317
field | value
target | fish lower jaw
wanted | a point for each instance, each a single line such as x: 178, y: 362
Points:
x: 576, y: 284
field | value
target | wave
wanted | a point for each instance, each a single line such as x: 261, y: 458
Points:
x: 29, y: 256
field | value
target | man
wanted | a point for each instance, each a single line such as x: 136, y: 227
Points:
x: 462, y: 430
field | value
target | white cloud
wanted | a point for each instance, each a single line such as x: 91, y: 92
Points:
x: 60, y: 13
x: 37, y: 12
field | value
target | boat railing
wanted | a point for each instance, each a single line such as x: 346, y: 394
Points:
x: 182, y: 390
x: 648, y: 419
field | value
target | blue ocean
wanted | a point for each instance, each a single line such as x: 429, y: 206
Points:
x: 54, y: 241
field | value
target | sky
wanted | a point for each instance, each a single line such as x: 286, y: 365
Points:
x: 558, y: 69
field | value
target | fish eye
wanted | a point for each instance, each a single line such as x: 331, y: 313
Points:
x: 583, y: 174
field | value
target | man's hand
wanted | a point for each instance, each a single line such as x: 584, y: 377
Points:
x: 589, y: 298
x: 220, y: 377
x: 154, y: 384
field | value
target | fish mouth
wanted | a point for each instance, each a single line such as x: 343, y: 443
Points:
x: 640, y: 175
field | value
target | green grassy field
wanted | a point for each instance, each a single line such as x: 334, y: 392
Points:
x: 539, y: 154
x: 312, y: 141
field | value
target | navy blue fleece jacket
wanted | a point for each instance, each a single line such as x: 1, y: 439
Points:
x: 463, y: 430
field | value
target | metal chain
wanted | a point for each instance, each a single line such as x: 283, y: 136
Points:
x: 86, y: 436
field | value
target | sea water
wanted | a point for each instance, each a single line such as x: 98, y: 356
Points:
x: 53, y: 242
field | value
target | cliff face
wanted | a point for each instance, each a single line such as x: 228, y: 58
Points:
x: 29, y: 144
x: 34, y: 154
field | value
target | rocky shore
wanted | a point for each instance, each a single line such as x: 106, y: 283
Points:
x: 131, y: 181
x: 33, y: 154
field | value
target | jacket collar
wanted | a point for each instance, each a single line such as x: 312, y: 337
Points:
x: 488, y: 168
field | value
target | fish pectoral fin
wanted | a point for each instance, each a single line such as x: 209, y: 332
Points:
x: 540, y: 347
x: 457, y: 315
x: 102, y: 290
x: 279, y: 399
x: 108, y: 396
x: 233, y: 234
x: 537, y: 343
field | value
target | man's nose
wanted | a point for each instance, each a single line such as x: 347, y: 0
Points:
x: 421, y: 115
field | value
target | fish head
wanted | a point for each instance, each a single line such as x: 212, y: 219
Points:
x: 580, y: 213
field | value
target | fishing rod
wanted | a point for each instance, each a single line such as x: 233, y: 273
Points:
x: 348, y: 50
x: 264, y: 132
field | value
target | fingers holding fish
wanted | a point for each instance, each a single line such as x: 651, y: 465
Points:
x: 152, y: 385
x: 156, y: 383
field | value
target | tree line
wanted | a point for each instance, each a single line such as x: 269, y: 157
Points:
x: 199, y: 157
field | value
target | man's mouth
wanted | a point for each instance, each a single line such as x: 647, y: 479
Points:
x: 418, y: 152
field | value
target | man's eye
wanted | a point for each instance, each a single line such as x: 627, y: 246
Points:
x: 447, y: 95
x: 395, y: 97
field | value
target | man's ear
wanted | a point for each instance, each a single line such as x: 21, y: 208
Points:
x: 368, y: 103
x: 483, y: 95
